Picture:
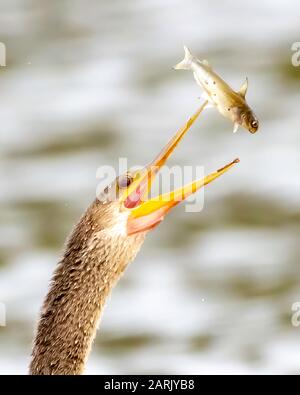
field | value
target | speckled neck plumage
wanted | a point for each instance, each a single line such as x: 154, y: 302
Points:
x: 96, y: 254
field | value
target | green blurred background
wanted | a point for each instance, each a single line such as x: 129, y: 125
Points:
x: 88, y: 82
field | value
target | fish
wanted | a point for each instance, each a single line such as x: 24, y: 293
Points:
x: 232, y: 105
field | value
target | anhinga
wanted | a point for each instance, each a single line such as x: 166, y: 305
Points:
x: 107, y: 237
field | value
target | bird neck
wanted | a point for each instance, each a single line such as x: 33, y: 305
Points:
x: 94, y: 259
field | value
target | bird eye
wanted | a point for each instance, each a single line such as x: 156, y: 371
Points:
x: 125, y: 181
x: 254, y: 124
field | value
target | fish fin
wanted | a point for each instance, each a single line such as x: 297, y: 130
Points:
x: 185, y: 64
x: 206, y: 63
x: 243, y: 89
x: 235, y: 127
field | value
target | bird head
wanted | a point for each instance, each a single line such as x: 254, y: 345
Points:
x: 130, y: 190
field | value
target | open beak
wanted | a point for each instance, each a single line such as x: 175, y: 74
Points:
x: 145, y: 214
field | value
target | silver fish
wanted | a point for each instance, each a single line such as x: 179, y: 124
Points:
x: 218, y: 93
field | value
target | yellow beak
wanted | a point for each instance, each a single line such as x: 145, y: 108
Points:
x: 139, y: 188
x: 145, y: 214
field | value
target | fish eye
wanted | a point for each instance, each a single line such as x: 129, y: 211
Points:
x: 254, y: 124
x: 125, y: 181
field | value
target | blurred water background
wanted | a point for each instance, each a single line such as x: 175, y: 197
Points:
x: 87, y: 82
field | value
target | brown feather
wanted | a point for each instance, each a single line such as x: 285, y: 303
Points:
x: 96, y: 254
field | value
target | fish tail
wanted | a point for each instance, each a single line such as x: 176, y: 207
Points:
x: 185, y: 64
